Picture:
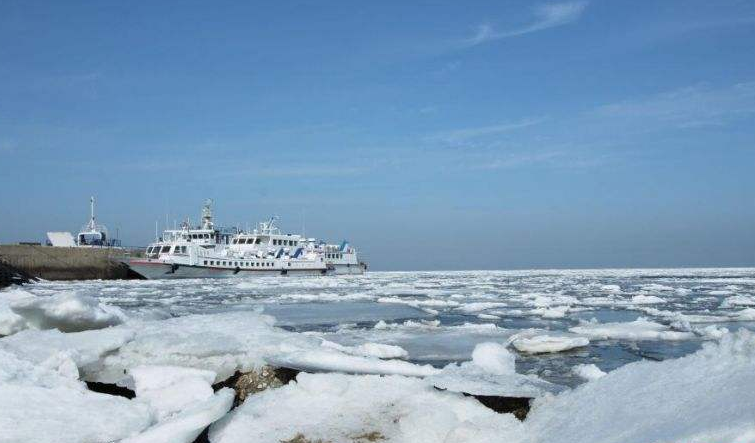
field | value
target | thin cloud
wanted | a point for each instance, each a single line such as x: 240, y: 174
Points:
x: 465, y: 134
x: 546, y: 16
x: 688, y: 107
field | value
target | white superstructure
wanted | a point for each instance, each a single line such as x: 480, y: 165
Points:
x: 90, y: 235
x: 207, y: 251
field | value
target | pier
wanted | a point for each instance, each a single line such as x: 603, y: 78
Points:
x: 51, y: 263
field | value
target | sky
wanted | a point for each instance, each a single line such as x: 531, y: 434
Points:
x: 432, y: 135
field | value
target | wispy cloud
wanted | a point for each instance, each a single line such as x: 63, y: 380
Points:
x: 693, y: 106
x: 465, y: 134
x: 546, y: 16
x: 551, y: 159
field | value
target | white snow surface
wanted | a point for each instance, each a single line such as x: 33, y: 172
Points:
x: 491, y: 372
x: 700, y: 398
x: 588, y: 371
x: 67, y: 312
x: 647, y: 300
x: 10, y: 322
x: 44, y: 402
x: 182, y: 400
x: 539, y: 342
x: 341, y: 408
x: 640, y: 329
x: 494, y: 358
x: 170, y: 389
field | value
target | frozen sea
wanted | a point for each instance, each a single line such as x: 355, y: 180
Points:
x: 439, y: 317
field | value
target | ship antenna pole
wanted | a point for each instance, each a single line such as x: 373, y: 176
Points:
x: 91, y: 209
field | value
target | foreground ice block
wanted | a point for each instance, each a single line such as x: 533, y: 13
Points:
x: 347, y: 408
x: 701, y: 398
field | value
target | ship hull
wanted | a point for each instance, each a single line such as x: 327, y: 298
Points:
x: 350, y: 269
x: 158, y: 270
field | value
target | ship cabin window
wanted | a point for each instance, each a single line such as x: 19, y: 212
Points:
x: 258, y: 241
x: 212, y: 262
x: 205, y: 262
x: 149, y: 250
x: 165, y: 249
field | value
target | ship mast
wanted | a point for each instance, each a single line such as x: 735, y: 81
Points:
x: 92, y: 224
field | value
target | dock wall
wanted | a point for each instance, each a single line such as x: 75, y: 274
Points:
x: 51, y: 263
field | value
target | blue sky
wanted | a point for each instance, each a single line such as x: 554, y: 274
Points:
x: 433, y: 135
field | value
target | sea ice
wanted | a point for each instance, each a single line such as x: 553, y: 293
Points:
x: 537, y: 342
x: 640, y: 329
x: 494, y: 358
x: 170, y: 389
x: 341, y: 408
x: 67, y: 312
x: 328, y: 360
x: 551, y: 312
x: 377, y: 350
x: 703, y: 397
x: 10, y: 322
x: 84, y: 348
x: 735, y: 301
x: 43, y: 402
x: 491, y: 372
x: 223, y: 343
x: 588, y: 372
x: 182, y: 400
x: 647, y: 300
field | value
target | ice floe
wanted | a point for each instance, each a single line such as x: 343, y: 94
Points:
x: 44, y: 402
x: 67, y: 312
x: 588, y: 371
x: 647, y: 300
x: 11, y: 322
x: 737, y: 301
x: 339, y: 408
x: 640, y: 329
x: 702, y: 397
x: 182, y: 401
x: 538, y: 342
x: 491, y: 373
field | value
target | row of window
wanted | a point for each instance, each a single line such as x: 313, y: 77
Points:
x: 199, y: 236
x: 256, y: 241
x: 277, y: 242
x: 333, y: 255
x: 246, y: 241
x: 166, y: 250
x: 239, y: 264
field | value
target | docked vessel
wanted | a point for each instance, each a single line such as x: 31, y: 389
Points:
x: 210, y: 251
x: 91, y: 235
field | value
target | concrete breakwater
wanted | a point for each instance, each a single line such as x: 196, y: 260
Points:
x: 52, y: 263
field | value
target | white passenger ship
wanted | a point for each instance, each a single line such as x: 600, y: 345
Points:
x: 207, y: 251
